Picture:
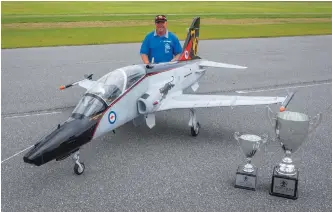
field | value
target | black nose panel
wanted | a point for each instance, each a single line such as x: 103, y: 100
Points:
x: 62, y: 141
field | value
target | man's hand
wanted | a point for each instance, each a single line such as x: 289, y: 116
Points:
x: 145, y: 59
x: 176, y: 57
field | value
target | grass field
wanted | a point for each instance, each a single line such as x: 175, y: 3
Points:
x: 32, y: 24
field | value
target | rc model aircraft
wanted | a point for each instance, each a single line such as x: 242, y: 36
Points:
x: 136, y: 93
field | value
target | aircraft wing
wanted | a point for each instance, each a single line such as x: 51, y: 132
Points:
x: 207, y: 63
x: 199, y: 101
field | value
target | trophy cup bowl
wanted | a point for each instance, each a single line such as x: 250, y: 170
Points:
x: 292, y: 130
x: 246, y: 176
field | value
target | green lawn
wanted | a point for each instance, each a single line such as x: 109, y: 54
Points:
x: 75, y: 8
x: 19, y: 18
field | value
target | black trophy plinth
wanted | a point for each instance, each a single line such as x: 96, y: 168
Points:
x: 284, y: 185
x: 246, y: 180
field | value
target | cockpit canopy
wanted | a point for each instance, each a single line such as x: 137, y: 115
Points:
x: 107, y: 89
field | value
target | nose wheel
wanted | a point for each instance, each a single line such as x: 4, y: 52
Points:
x: 79, y: 166
x: 195, y: 130
x: 193, y: 123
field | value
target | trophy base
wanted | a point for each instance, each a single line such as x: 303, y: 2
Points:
x: 246, y: 180
x: 284, y: 186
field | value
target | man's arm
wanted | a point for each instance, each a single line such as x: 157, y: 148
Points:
x: 145, y: 50
x: 177, y: 48
x: 176, y: 57
x: 145, y: 59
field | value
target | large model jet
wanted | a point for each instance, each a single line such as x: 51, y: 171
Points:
x: 136, y: 93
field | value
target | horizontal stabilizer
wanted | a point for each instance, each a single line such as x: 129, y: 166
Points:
x: 207, y: 63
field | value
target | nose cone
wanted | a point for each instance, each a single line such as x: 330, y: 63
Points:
x: 63, y: 141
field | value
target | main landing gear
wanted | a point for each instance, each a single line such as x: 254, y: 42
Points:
x: 79, y: 166
x: 194, y: 125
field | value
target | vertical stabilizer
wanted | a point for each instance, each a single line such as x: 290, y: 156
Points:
x: 190, y: 46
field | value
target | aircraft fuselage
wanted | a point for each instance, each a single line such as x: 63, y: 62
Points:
x: 79, y: 129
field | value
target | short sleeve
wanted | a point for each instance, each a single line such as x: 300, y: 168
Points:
x: 145, y: 46
x: 177, y: 46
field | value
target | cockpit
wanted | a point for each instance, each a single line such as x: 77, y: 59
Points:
x: 107, y: 89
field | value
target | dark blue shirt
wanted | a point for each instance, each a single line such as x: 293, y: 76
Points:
x: 163, y: 48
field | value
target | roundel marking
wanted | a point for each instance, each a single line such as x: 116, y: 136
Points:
x: 112, y: 117
x: 186, y: 54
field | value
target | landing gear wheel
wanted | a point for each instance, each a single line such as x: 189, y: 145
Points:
x: 78, y: 170
x: 195, y: 132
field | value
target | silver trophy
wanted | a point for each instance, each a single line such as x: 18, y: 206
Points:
x: 246, y: 175
x: 291, y: 130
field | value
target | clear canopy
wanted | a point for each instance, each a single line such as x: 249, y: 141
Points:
x: 107, y: 89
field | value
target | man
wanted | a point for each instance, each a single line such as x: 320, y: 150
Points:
x: 160, y: 45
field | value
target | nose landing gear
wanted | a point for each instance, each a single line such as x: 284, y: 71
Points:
x: 79, y: 166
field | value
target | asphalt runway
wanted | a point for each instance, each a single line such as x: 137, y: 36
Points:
x: 165, y: 169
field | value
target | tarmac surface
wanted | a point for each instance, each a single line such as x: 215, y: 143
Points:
x: 165, y: 168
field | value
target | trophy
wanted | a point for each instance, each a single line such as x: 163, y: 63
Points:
x: 291, y: 129
x: 246, y: 175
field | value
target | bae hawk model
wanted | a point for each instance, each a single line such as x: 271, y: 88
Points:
x: 136, y: 93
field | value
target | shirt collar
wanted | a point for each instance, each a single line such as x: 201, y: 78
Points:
x: 166, y: 34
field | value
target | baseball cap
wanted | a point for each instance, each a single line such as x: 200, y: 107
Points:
x: 160, y: 18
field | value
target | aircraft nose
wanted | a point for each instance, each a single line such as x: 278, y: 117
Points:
x: 61, y: 142
x: 34, y: 156
x: 45, y: 149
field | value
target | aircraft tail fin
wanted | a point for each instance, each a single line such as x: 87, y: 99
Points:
x: 190, y: 46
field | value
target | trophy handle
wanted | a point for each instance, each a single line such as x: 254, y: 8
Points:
x: 271, y: 116
x: 314, y: 125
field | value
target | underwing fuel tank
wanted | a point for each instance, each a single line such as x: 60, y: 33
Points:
x: 64, y: 140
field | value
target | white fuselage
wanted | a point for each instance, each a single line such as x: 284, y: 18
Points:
x: 124, y: 108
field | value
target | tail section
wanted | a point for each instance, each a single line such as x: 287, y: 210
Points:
x: 190, y: 46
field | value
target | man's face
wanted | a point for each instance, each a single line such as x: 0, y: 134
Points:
x: 161, y: 26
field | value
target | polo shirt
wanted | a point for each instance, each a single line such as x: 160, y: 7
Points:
x: 161, y: 48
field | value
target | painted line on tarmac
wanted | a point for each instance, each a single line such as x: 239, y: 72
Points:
x: 28, y: 115
x: 281, y: 88
x: 17, y: 153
